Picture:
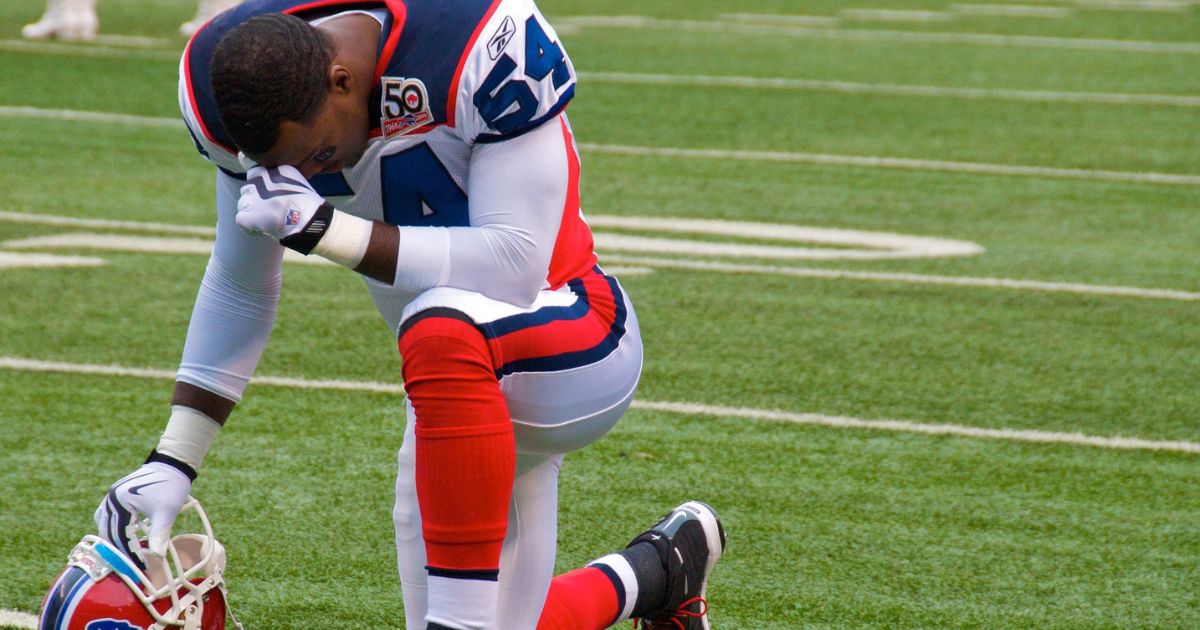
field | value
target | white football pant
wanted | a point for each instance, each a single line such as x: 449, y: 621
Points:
x: 553, y: 413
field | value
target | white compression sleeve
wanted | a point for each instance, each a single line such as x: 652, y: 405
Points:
x: 517, y: 190
x: 236, y: 304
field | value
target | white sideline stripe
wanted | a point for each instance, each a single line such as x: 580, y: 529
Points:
x: 747, y: 26
x: 911, y: 164
x: 905, y: 426
x: 910, y: 278
x: 87, y: 50
x: 17, y: 619
x: 760, y: 156
x: 850, y: 87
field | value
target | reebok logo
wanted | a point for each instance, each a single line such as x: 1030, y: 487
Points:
x: 500, y: 39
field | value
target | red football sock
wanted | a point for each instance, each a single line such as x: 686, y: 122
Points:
x: 465, y: 455
x: 584, y: 599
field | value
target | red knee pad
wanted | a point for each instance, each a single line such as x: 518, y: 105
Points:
x: 465, y: 455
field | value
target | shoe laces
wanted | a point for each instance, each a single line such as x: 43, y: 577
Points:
x: 677, y: 618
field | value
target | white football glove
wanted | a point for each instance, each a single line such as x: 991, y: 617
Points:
x: 157, y: 490
x: 280, y: 203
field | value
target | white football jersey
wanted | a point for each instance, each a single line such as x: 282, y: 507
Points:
x: 451, y: 75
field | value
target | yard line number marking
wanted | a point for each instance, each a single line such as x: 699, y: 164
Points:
x: 977, y: 168
x: 870, y: 245
x: 856, y: 244
x: 694, y: 409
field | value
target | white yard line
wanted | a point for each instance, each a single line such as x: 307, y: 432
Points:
x: 134, y: 226
x: 1011, y: 10
x: 865, y: 161
x: 13, y: 260
x: 894, y: 15
x: 140, y: 41
x: 125, y: 243
x: 850, y: 87
x: 74, y: 115
x: 1146, y: 6
x: 17, y: 619
x: 905, y: 426
x: 757, y: 27
x: 908, y: 278
x: 724, y: 154
x: 32, y: 365
x: 789, y: 19
x: 88, y: 50
x: 769, y: 415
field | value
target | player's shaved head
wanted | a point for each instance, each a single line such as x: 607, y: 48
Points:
x: 269, y: 69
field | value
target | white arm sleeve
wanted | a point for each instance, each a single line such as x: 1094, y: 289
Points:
x: 235, y: 308
x: 516, y: 191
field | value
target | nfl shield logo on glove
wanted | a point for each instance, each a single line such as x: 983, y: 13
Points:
x: 293, y: 215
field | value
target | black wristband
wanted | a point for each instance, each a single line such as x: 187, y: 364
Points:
x: 305, y: 240
x: 155, y: 456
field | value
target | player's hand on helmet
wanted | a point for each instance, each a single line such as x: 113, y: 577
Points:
x: 280, y: 203
x: 156, y: 491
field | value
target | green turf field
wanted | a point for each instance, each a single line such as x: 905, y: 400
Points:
x: 894, y: 435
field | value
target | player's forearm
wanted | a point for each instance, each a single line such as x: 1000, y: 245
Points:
x: 213, y: 405
x: 368, y: 247
x: 379, y: 260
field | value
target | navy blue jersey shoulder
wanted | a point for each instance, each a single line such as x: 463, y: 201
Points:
x: 435, y: 36
x: 200, y: 49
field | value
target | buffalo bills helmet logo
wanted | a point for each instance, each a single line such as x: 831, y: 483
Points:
x: 111, y: 624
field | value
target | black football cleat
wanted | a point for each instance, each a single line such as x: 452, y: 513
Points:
x: 689, y: 540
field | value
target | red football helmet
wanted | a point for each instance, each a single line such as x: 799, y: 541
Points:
x: 102, y: 589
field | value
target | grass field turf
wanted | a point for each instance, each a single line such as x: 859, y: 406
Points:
x: 829, y: 528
